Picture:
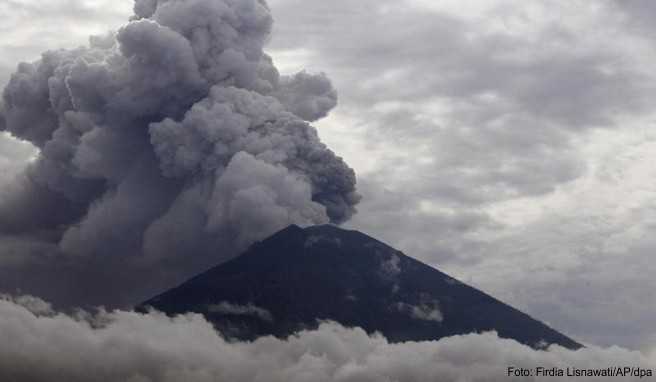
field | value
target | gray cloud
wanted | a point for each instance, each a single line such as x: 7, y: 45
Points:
x: 549, y: 72
x: 432, y: 232
x: 596, y: 277
x: 471, y: 123
x: 495, y: 111
x: 13, y: 156
x: 164, y: 148
x: 154, y: 347
x: 309, y: 96
x: 636, y: 15
x: 29, y: 27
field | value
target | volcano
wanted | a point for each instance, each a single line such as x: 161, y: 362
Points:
x: 299, y: 277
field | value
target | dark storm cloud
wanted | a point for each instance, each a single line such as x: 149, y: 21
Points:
x: 126, y: 346
x: 164, y: 148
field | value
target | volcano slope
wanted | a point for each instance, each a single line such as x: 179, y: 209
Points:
x: 299, y: 277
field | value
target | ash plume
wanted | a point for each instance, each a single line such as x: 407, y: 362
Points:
x: 164, y: 148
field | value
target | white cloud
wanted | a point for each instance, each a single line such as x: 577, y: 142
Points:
x: 127, y: 346
x: 425, y: 311
x: 241, y: 310
x: 390, y: 267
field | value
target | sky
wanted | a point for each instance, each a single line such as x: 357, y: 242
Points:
x: 507, y: 143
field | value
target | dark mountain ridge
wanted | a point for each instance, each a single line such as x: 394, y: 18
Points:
x: 297, y: 277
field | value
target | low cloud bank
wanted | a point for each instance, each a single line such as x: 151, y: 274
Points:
x: 42, y: 345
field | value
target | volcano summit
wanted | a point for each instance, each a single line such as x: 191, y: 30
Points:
x: 299, y: 277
